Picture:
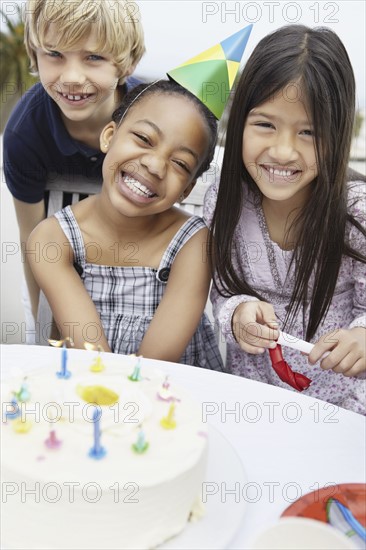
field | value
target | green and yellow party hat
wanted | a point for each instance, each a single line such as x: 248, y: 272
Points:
x: 211, y: 74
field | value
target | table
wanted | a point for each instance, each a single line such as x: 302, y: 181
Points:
x: 289, y: 444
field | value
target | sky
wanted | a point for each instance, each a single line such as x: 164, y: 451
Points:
x: 178, y: 30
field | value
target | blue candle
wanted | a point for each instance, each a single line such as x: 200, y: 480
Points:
x: 14, y: 411
x: 141, y: 444
x: 64, y: 373
x: 22, y: 394
x: 97, y: 451
x: 136, y: 375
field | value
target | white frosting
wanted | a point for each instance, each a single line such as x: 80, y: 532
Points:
x: 124, y: 500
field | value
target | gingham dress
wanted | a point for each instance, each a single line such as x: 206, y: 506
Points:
x: 126, y: 297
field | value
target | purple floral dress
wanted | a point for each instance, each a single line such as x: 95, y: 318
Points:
x: 266, y: 268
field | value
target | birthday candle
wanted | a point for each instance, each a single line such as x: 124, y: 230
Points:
x: 164, y: 393
x: 168, y: 421
x: 52, y: 442
x: 22, y: 394
x: 97, y: 365
x: 136, y: 375
x: 14, y: 411
x: 63, y: 373
x: 97, y: 451
x: 64, y: 359
x: 141, y: 444
x: 21, y: 426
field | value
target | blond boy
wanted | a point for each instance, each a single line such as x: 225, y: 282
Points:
x: 84, y: 52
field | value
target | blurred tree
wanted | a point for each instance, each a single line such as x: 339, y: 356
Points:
x: 14, y: 69
x: 358, y: 123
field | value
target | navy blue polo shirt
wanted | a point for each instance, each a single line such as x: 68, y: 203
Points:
x: 37, y: 144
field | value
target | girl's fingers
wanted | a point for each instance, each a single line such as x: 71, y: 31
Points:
x: 255, y: 350
x: 257, y: 335
x: 318, y: 351
x: 267, y: 315
x: 254, y: 332
x: 343, y: 365
x: 254, y: 326
x: 357, y: 368
x: 267, y: 312
x: 329, y: 362
x: 344, y: 362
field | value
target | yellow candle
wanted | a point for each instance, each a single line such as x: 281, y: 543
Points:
x: 168, y: 421
x: 98, y: 365
x: 20, y: 426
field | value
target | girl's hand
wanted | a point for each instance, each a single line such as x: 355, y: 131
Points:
x: 255, y: 327
x: 347, y: 351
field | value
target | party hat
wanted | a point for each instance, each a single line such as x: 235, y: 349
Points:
x: 210, y: 75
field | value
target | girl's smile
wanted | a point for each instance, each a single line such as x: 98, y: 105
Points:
x: 135, y: 189
x: 153, y: 156
x: 280, y: 175
x: 278, y: 148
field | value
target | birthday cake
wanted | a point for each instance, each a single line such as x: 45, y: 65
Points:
x: 101, y: 460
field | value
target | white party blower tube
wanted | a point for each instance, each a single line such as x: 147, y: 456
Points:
x: 296, y: 343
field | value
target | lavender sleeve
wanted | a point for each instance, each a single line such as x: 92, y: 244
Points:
x: 223, y: 307
x: 357, y: 201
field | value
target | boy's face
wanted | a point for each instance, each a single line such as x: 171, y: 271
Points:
x: 153, y: 157
x: 81, y: 81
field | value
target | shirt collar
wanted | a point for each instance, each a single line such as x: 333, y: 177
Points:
x: 66, y: 144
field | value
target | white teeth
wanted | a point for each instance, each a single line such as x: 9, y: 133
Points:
x: 74, y: 97
x: 282, y: 173
x: 137, y: 187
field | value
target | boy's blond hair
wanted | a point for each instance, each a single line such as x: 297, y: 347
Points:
x: 117, y: 25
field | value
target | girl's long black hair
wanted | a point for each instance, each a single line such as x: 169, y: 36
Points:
x: 318, y: 61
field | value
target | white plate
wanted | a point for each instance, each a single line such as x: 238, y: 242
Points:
x: 303, y: 534
x: 222, y: 519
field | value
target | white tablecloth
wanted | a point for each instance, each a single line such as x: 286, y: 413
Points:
x: 289, y: 444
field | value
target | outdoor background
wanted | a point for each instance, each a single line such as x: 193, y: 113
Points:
x: 174, y: 32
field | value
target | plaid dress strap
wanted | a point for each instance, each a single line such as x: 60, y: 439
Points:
x: 188, y: 229
x: 70, y: 227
